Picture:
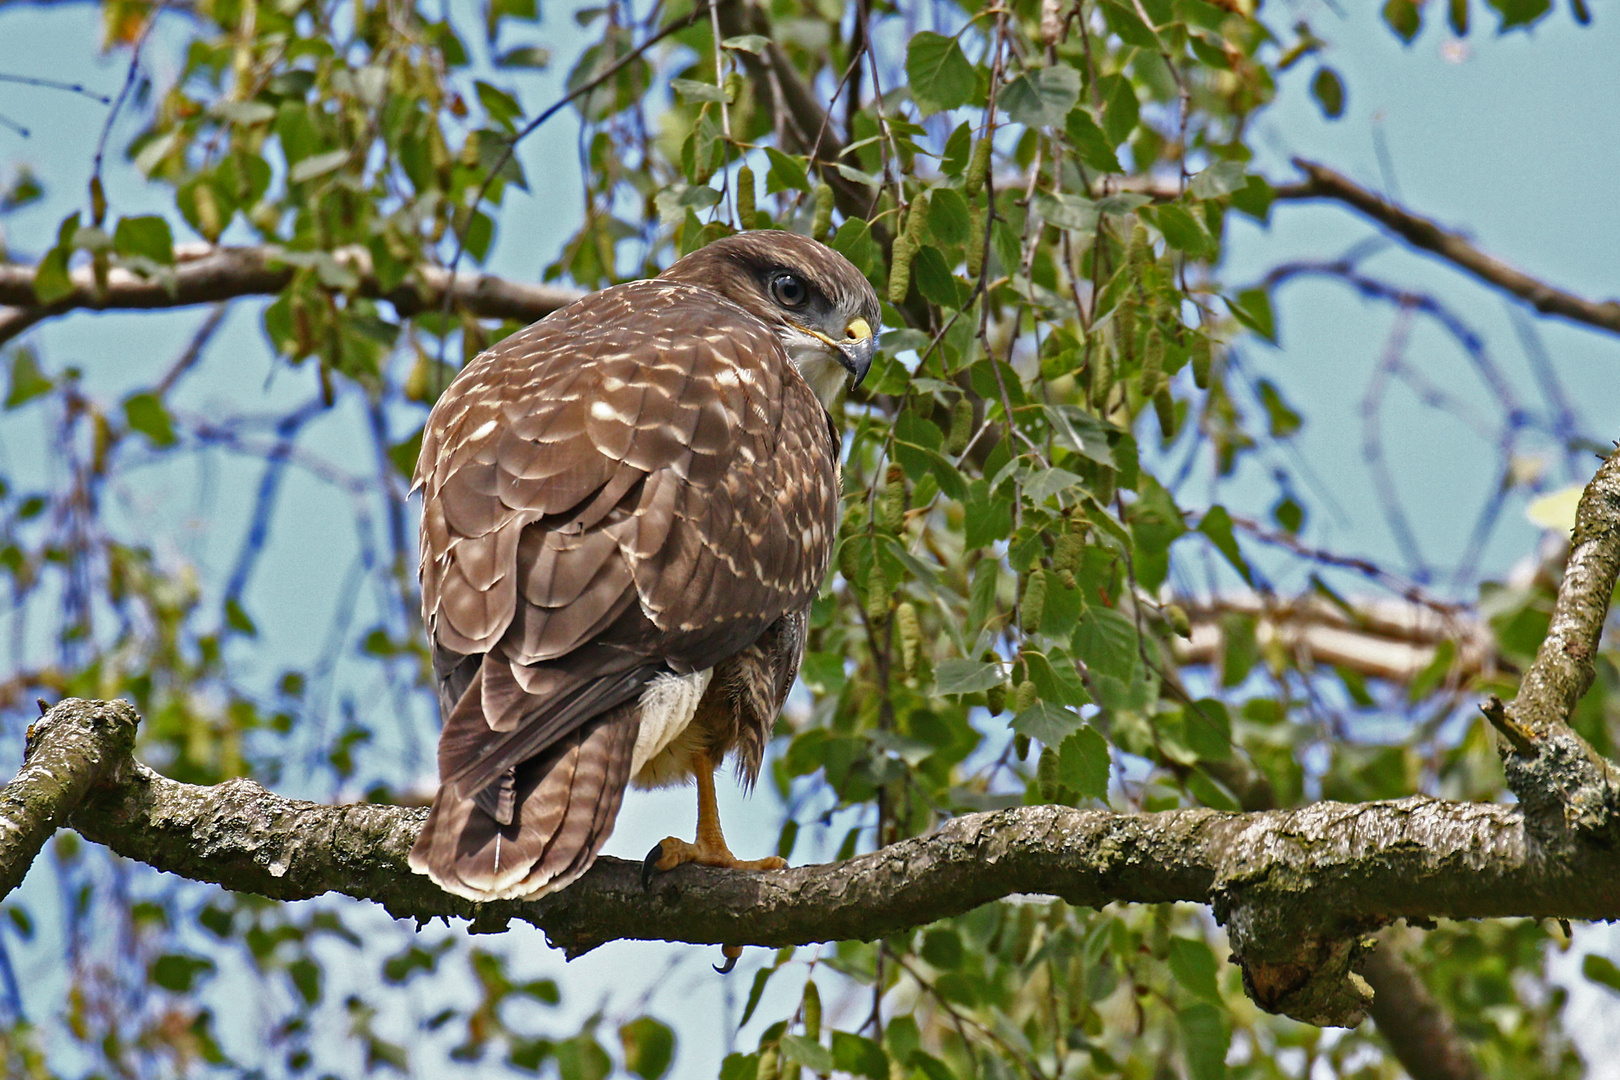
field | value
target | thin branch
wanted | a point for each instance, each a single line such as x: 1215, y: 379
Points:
x: 1420, y: 232
x: 1564, y: 782
x: 1392, y: 640
x: 1423, y: 1038
x: 207, y: 275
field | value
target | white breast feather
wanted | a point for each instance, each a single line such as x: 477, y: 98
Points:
x: 667, y: 707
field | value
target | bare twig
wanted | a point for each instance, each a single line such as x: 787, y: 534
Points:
x: 1455, y: 248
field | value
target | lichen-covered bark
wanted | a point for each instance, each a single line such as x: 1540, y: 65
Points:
x: 1296, y: 888
x: 70, y: 748
x: 1562, y: 782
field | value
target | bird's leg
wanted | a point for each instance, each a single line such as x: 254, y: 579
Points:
x: 710, y: 848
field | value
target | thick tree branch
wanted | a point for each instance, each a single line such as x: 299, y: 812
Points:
x: 1323, y: 182
x: 206, y: 275
x: 1295, y: 888
x: 68, y: 751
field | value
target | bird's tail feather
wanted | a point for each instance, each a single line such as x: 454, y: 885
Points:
x: 564, y: 802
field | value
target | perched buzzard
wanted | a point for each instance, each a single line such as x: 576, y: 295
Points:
x: 627, y: 510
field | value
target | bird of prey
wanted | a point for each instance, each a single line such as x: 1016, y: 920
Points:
x: 628, y: 508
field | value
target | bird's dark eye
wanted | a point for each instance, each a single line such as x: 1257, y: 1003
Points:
x: 790, y: 290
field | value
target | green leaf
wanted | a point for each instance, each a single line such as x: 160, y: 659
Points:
x: 1120, y: 108
x: 148, y: 236
x: 237, y: 618
x: 942, y: 948
x: 692, y: 90
x: 318, y: 165
x: 1601, y: 970
x: 988, y: 517
x: 957, y: 148
x: 1328, y: 90
x: 1204, y: 1042
x: 1050, y: 724
x: 1217, y: 525
x: 939, y: 74
x: 51, y: 278
x: 1181, y: 230
x: 582, y: 1058
x: 812, y: 1055
x: 1207, y: 727
x: 748, y: 43
x: 958, y: 675
x: 27, y: 381
x: 404, y: 455
x: 786, y: 173
x: 1090, y: 145
x: 1221, y: 178
x: 1129, y: 26
x: 1193, y: 965
x: 1058, y: 681
x: 947, y: 220
x: 306, y: 979
x: 757, y: 990
x: 934, y: 279
x: 1106, y: 640
x: 525, y: 56
x: 649, y: 1047
x: 1083, y: 763
x: 1404, y: 18
x: 1445, y: 654
x: 1042, y: 97
x: 1074, y: 212
x: 859, y: 1056
x: 1282, y: 420
x: 147, y: 415
x: 501, y: 107
x: 177, y: 972
x: 1514, y: 13
x: 1252, y: 307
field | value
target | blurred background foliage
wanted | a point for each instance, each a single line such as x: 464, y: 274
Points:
x: 1034, y: 600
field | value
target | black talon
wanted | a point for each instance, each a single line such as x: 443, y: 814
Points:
x: 649, y: 865
x: 731, y: 962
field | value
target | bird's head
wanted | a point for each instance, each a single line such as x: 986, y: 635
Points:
x: 823, y: 309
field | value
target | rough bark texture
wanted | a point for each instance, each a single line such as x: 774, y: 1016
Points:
x: 1296, y: 888
x: 1567, y: 788
x: 72, y: 747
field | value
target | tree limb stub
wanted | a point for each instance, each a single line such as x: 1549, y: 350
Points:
x: 72, y: 747
x: 204, y: 274
x: 1295, y: 888
x: 1562, y: 782
x: 1455, y: 248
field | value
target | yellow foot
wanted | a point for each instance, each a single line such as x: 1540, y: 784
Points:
x: 671, y: 852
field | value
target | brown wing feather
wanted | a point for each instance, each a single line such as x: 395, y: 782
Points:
x: 639, y: 483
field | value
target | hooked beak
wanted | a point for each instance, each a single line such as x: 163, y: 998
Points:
x: 855, y: 352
